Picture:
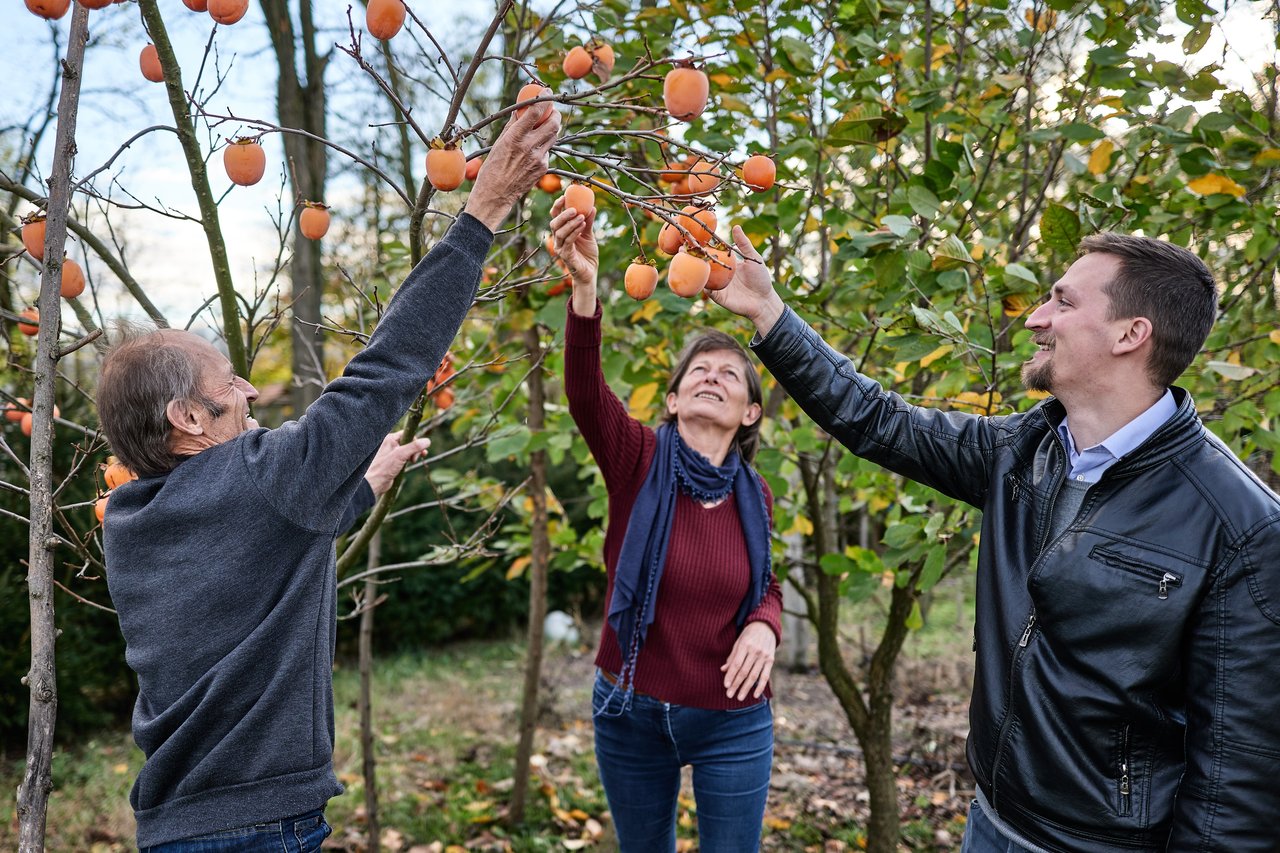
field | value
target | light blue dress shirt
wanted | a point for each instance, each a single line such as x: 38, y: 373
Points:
x: 1088, y: 465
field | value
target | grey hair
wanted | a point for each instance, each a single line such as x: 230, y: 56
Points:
x: 141, y: 375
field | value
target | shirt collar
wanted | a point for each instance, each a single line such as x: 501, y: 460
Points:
x: 1128, y: 437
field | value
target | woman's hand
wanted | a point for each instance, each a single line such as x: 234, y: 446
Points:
x: 750, y: 662
x: 576, y: 248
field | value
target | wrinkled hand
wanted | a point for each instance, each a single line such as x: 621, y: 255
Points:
x: 750, y: 662
x: 515, y: 163
x: 750, y: 292
x: 390, y: 460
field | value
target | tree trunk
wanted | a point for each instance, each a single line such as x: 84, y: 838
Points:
x: 366, y: 697
x: 42, y: 679
x: 300, y: 103
x: 540, y: 547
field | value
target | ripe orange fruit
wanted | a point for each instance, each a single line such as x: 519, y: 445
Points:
x: 32, y: 326
x: 443, y: 373
x: 446, y: 167
x: 227, y: 11
x: 149, y: 62
x: 117, y: 473
x: 444, y: 398
x: 602, y: 59
x: 473, y: 168
x: 197, y: 5
x: 384, y: 18
x: 72, y: 279
x: 674, y: 173
x: 641, y: 279
x: 550, y: 183
x: 245, y: 161
x: 96, y: 4
x: 33, y: 228
x: 684, y: 92
x: 581, y: 198
x: 702, y: 177
x: 26, y: 424
x: 700, y: 222
x: 12, y: 413
x: 51, y: 9
x: 561, y: 286
x: 687, y: 275
x: 100, y: 508
x: 759, y: 173
x: 313, y: 222
x: 722, y: 264
x: 531, y: 91
x: 669, y: 239
x: 577, y: 63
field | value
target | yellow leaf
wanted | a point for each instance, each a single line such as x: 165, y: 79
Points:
x: 936, y: 354
x: 1115, y: 102
x: 1233, y: 357
x: 1267, y: 157
x: 1037, y: 395
x: 1015, y: 305
x: 978, y: 251
x: 940, y: 52
x: 1100, y: 159
x: 641, y: 398
x: 1274, y: 337
x: 777, y: 823
x: 646, y: 311
x: 1214, y: 185
x: 518, y: 566
x: 801, y: 525
x: 976, y: 401
x: 1043, y: 21
x: 479, y: 805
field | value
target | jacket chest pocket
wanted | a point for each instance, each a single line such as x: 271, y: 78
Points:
x: 1157, y: 575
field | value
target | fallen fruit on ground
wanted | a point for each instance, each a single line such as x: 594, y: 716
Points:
x: 72, y: 279
x: 684, y: 92
x: 149, y: 62
x: 313, y: 222
x: 722, y: 264
x: 33, y: 228
x: 759, y: 173
x: 581, y: 198
x: 227, y: 11
x: 384, y: 18
x: 641, y: 279
x: 687, y: 275
x: 446, y: 166
x: 245, y: 161
x: 531, y: 91
x: 577, y: 63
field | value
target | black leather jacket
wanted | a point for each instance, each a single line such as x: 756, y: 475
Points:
x: 1127, y: 686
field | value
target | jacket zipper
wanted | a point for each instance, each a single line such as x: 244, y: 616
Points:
x: 1163, y: 579
x: 1126, y: 786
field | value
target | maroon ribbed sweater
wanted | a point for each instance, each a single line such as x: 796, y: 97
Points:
x: 707, y: 572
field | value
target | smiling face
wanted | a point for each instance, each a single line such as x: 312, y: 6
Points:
x: 224, y: 414
x: 1078, y: 343
x: 714, y: 390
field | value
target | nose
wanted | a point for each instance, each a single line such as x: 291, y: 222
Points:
x: 250, y: 393
x: 1037, y: 319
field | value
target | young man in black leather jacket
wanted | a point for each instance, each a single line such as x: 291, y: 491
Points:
x: 1128, y: 610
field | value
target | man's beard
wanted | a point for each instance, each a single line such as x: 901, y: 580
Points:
x: 1038, y: 377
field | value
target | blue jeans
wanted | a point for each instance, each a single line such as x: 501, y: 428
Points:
x: 641, y: 751
x: 981, y: 835
x: 302, y: 834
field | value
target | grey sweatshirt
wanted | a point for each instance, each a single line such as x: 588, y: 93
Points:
x: 222, y: 572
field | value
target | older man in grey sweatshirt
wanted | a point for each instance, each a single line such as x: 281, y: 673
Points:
x: 220, y: 557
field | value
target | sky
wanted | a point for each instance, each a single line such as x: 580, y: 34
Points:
x: 170, y: 257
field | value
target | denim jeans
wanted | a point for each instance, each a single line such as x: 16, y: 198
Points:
x: 302, y: 834
x: 981, y: 835
x: 640, y: 753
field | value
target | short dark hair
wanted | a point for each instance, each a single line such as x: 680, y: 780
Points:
x: 1169, y: 286
x: 747, y: 440
x: 141, y: 375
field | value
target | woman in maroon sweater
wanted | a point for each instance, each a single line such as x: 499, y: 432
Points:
x: 692, y: 604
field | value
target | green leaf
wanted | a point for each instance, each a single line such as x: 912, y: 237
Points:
x: 1018, y: 271
x: 1080, y: 132
x: 507, y: 442
x: 1060, y: 229
x: 923, y: 202
x: 933, y: 565
x: 798, y: 52
x: 1227, y: 370
x: 1194, y: 40
x: 950, y: 254
x: 915, y: 621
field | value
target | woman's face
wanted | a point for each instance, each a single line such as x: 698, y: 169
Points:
x: 714, y: 391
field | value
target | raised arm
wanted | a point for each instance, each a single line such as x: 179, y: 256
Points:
x: 311, y: 468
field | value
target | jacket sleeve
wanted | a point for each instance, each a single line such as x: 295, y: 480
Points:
x: 948, y: 451
x: 311, y: 468
x: 360, y: 503
x: 1229, y: 797
x: 615, y: 439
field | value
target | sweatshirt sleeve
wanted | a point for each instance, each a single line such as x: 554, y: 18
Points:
x: 359, y: 505
x: 311, y: 468
x: 616, y: 439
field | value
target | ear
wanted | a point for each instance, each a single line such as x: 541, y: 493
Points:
x: 752, y: 414
x: 182, y: 418
x: 1135, y: 334
x: 671, y: 404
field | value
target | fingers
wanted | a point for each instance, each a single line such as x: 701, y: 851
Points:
x: 744, y: 245
x: 557, y: 207
x: 415, y: 449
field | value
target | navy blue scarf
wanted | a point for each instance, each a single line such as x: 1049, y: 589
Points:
x: 644, y: 548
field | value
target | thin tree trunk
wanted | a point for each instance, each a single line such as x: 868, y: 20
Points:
x: 42, y: 679
x: 540, y: 546
x: 366, y: 697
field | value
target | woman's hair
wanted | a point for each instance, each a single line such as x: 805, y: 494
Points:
x: 747, y: 441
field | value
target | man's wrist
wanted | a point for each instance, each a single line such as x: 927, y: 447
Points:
x: 769, y: 315
x: 489, y: 212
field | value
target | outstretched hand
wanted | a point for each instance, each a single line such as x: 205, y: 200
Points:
x: 515, y: 163
x: 576, y: 248
x: 390, y: 460
x: 750, y: 292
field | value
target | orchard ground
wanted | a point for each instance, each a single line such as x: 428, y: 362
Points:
x: 446, y: 722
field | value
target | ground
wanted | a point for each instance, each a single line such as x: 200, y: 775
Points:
x: 446, y: 726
